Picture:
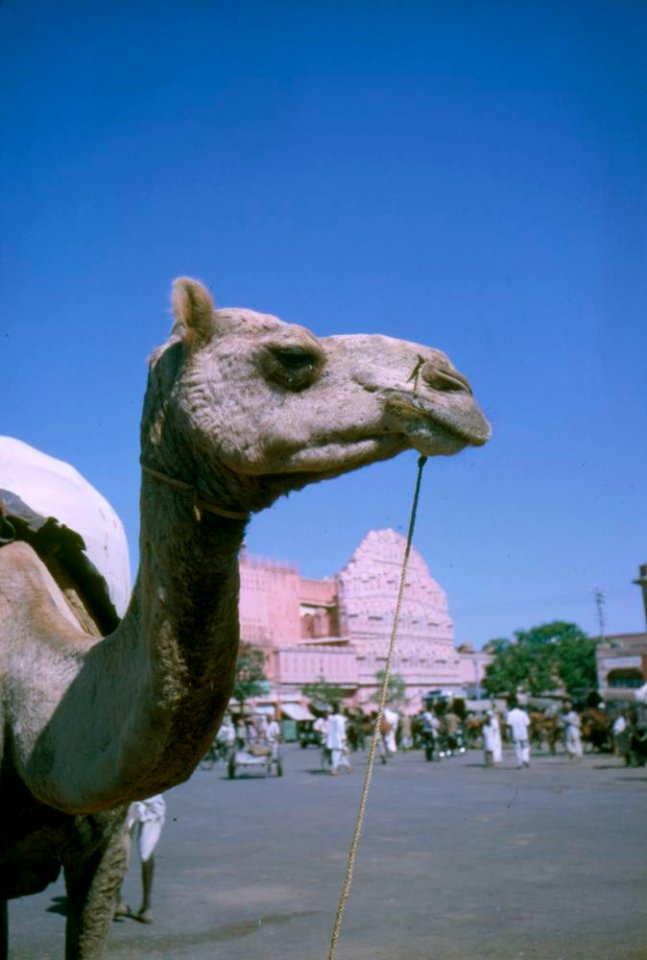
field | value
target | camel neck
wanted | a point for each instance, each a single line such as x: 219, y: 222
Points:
x: 157, y: 687
x: 201, y: 503
x: 189, y: 566
x: 180, y: 635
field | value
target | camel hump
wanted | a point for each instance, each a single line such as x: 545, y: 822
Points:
x: 70, y: 525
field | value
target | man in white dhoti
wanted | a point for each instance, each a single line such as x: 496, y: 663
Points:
x: 336, y: 741
x: 518, y: 722
x: 492, y: 745
x: 573, y: 732
x: 388, y: 728
x: 145, y: 821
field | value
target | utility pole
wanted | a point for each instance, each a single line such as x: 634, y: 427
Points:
x: 642, y: 582
x: 600, y: 600
x: 477, y: 677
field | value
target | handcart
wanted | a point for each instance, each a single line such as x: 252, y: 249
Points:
x: 259, y: 756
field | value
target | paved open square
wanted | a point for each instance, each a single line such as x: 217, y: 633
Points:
x: 456, y: 862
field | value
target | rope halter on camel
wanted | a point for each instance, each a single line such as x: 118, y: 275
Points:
x: 200, y: 501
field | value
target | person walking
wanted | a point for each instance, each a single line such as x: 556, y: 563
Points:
x: 518, y: 722
x: 492, y: 745
x: 337, y: 742
x: 320, y: 727
x: 573, y: 732
x: 430, y: 733
x: 388, y: 728
x: 406, y: 741
x: 620, y: 735
x: 226, y: 736
x: 273, y: 735
x: 145, y: 821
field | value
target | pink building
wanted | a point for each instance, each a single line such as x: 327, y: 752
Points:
x: 339, y: 628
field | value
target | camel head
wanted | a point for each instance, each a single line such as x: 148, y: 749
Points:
x: 247, y: 407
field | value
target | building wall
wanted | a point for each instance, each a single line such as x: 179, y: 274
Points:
x: 368, y: 589
x: 296, y: 666
x: 269, y: 602
x: 340, y: 628
x: 621, y: 665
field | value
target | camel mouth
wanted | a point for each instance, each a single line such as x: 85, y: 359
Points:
x: 457, y: 424
x: 406, y: 422
x: 409, y: 423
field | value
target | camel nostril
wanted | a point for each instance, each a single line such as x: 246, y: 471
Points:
x: 440, y: 378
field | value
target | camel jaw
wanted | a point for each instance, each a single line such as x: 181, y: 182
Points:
x: 438, y: 429
x: 408, y: 423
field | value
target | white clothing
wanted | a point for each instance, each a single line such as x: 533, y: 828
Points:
x: 146, y: 819
x: 321, y: 727
x: 430, y: 723
x: 336, y: 741
x: 339, y: 758
x: 522, y: 752
x: 573, y: 734
x: 336, y: 732
x: 492, y: 738
x: 619, y: 726
x: 391, y: 718
x: 273, y: 732
x: 227, y: 733
x: 518, y: 721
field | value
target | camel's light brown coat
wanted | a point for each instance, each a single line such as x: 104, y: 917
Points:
x: 243, y: 408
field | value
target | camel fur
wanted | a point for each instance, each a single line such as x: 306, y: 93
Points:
x: 240, y: 408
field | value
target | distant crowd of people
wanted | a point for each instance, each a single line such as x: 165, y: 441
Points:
x: 445, y: 729
x: 441, y: 729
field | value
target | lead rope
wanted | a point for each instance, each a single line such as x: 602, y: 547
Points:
x: 359, y: 822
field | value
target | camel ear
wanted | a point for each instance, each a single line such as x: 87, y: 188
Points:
x: 194, y: 312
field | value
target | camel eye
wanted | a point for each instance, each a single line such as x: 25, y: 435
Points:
x: 293, y: 367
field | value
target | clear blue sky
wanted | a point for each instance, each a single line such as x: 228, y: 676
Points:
x: 471, y: 175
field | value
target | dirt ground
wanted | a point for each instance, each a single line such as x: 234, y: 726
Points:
x: 456, y: 862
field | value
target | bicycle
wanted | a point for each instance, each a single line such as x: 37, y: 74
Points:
x: 217, y: 750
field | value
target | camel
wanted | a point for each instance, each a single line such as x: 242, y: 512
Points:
x: 240, y: 409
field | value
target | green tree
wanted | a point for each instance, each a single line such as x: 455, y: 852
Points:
x: 552, y: 655
x: 323, y: 692
x: 250, y: 679
x: 396, y: 689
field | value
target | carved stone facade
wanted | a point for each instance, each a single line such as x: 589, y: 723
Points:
x: 339, y: 628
